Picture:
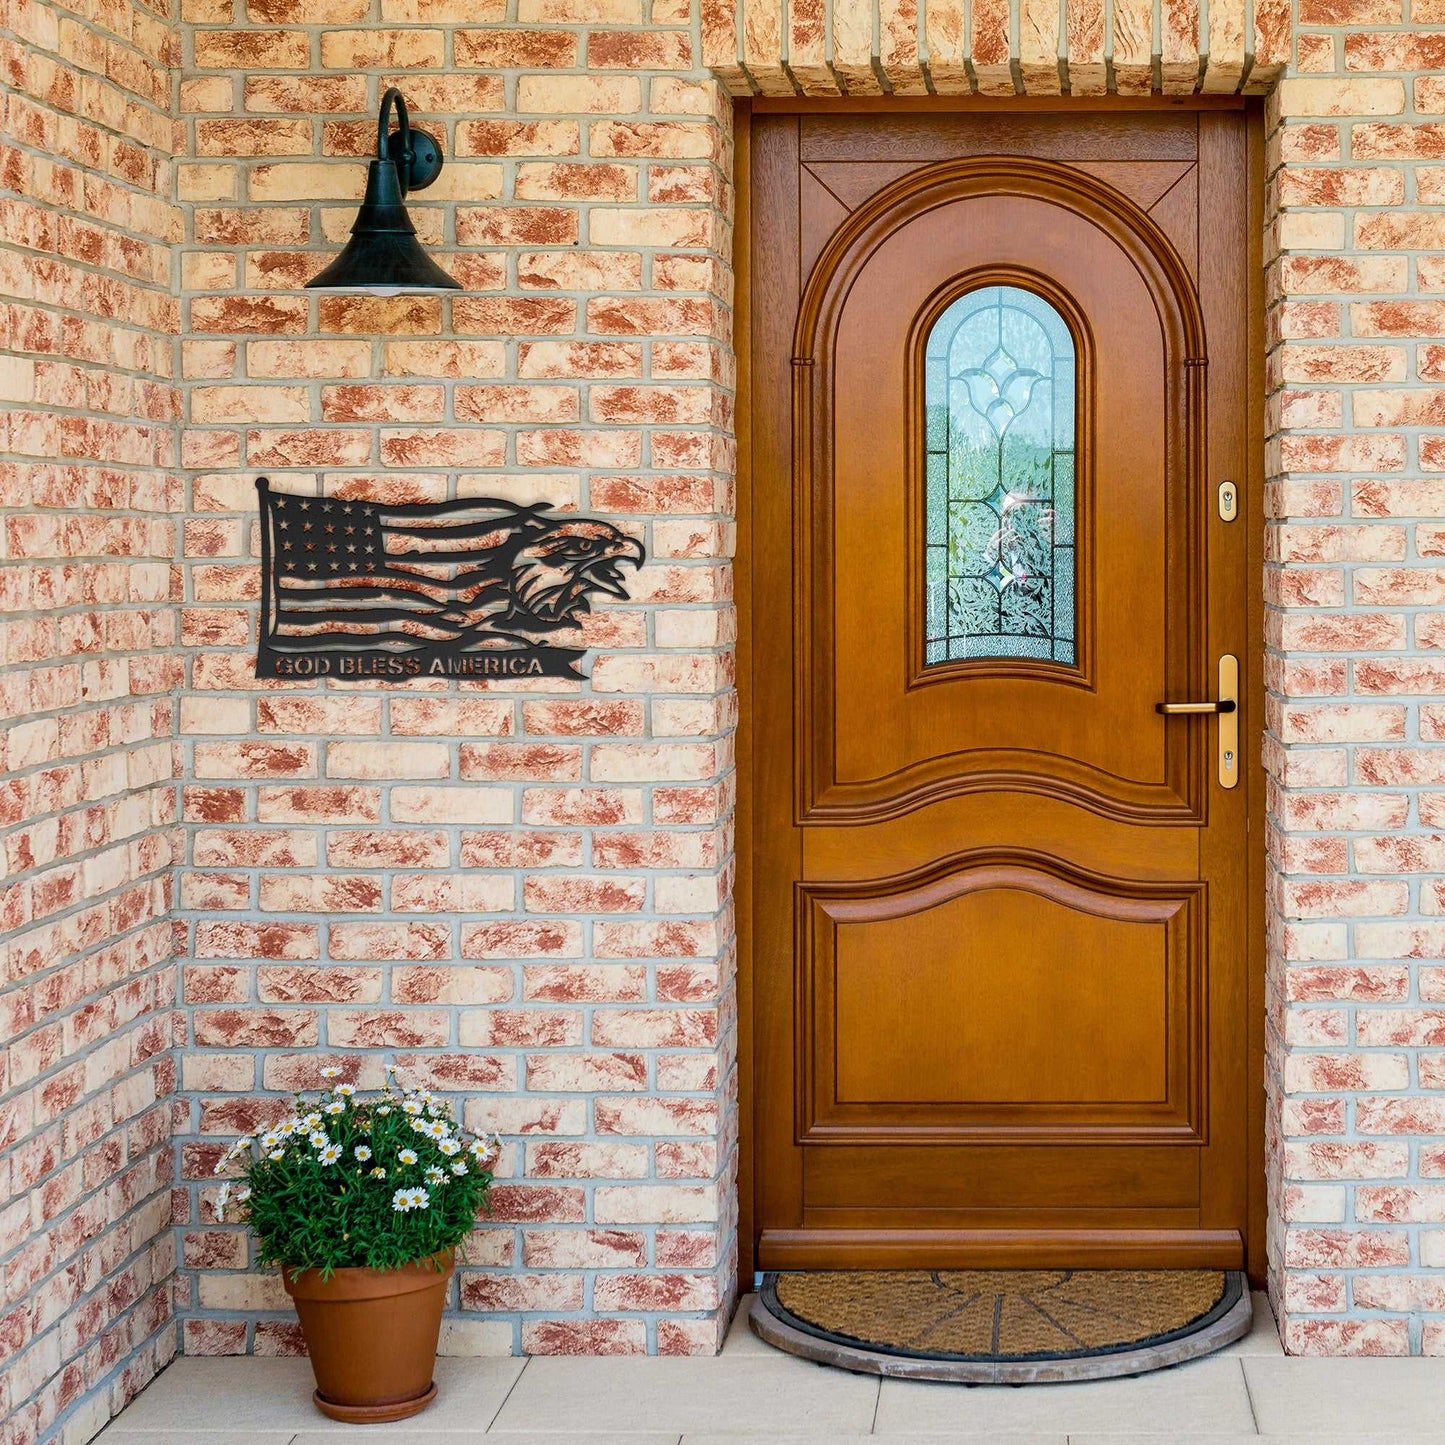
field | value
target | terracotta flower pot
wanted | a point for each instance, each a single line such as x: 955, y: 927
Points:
x: 372, y: 1336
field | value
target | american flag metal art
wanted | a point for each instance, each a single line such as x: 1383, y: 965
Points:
x: 471, y: 588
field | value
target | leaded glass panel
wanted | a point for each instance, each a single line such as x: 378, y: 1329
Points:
x: 999, y: 480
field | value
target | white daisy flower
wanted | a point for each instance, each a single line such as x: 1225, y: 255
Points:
x: 331, y: 1072
x: 378, y: 1172
x: 411, y: 1106
x: 450, y: 1146
x: 270, y: 1139
x: 311, y: 1121
x: 243, y: 1194
x: 336, y: 1106
x: 318, y: 1139
x: 435, y: 1175
x: 407, y: 1156
x: 277, y: 1154
x: 401, y: 1201
x: 419, y: 1125
x: 362, y: 1153
x: 289, y: 1127
x: 345, y: 1090
x: 459, y: 1167
x: 383, y: 1109
x: 330, y: 1154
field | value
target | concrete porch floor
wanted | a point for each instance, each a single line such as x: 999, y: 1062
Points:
x: 1249, y: 1390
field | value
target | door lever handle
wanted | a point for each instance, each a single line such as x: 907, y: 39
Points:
x: 1189, y: 709
x: 1227, y: 709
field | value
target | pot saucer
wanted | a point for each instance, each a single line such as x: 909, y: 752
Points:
x: 375, y: 1414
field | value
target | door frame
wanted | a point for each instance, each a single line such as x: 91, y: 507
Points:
x: 1252, y: 516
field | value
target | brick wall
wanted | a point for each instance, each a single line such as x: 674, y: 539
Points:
x: 523, y: 894
x: 88, y: 496
x: 520, y: 893
x: 1354, y: 590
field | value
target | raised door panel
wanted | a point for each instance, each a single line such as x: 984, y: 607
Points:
x: 1003, y: 1000
x: 1002, y: 997
x: 1031, y: 1182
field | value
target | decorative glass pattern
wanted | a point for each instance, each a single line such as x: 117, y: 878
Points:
x: 999, y: 513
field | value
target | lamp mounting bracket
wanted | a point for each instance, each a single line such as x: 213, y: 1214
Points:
x: 425, y: 164
x: 417, y: 157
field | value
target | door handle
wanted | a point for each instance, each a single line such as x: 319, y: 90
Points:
x: 1189, y: 709
x: 1226, y: 708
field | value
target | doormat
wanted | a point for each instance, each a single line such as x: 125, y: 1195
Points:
x: 1002, y: 1326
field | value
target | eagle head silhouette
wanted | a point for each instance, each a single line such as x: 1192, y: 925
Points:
x: 553, y: 575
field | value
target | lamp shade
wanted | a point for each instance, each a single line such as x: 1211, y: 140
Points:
x: 383, y: 256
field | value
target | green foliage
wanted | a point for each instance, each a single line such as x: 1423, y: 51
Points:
x: 348, y: 1180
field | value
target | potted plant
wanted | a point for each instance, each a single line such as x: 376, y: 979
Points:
x: 362, y: 1202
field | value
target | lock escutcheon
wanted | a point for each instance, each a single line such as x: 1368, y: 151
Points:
x: 1228, y: 501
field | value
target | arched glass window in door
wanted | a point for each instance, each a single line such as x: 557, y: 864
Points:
x: 999, y: 513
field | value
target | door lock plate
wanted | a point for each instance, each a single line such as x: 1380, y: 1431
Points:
x: 1228, y: 501
x: 1229, y: 721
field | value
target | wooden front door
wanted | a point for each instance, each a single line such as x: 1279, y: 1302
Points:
x: 1001, y: 932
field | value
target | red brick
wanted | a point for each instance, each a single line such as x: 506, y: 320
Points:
x: 513, y: 48
x: 584, y: 1337
x: 518, y: 137
x: 517, y: 226
x: 389, y: 940
x: 255, y: 1028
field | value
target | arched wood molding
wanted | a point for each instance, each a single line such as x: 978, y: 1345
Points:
x: 1167, y: 278
x: 931, y: 186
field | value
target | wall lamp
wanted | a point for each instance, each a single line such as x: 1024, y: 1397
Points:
x: 383, y: 256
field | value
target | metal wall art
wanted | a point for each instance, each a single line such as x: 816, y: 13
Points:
x: 474, y: 588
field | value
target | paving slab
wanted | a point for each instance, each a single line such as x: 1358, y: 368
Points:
x: 220, y: 1398
x: 772, y: 1395
x: 415, y: 1435
x: 1263, y: 1337
x: 117, y: 1433
x: 1207, y: 1397
x: 868, y: 1439
x: 1308, y: 1439
x: 740, y: 1337
x: 1317, y: 1396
